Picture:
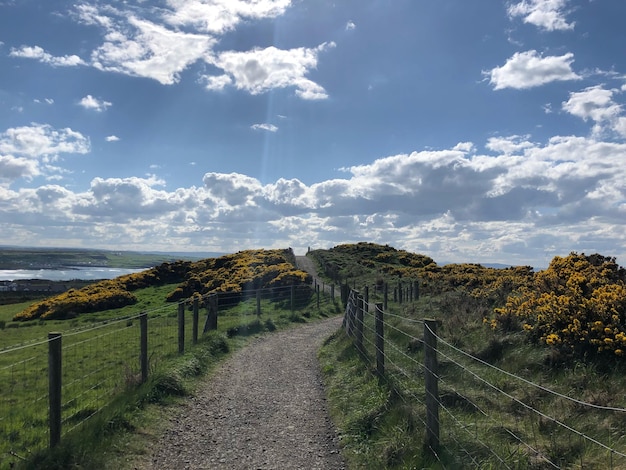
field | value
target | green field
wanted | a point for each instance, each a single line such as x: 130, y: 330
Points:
x: 54, y: 258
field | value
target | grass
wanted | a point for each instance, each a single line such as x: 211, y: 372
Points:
x: 485, y: 423
x: 102, y: 400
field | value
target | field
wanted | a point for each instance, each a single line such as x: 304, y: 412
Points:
x: 505, y: 400
x: 102, y: 376
x: 53, y: 258
x: 530, y: 369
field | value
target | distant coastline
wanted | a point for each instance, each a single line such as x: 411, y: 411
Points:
x: 66, y: 273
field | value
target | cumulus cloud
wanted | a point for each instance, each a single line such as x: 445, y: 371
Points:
x: 350, y: 26
x: 530, y: 69
x: 29, y: 151
x: 220, y: 16
x: 549, y: 15
x: 456, y: 203
x: 89, y: 102
x: 112, y: 138
x: 260, y: 70
x: 37, y: 53
x: 264, y: 127
x: 597, y: 104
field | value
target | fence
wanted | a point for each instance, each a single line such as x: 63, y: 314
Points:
x: 477, y: 415
x: 50, y: 387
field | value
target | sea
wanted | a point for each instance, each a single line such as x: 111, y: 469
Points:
x: 66, y: 274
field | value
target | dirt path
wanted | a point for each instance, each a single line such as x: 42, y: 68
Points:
x: 307, y: 264
x: 265, y: 408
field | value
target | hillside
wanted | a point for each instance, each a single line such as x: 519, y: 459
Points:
x: 234, y: 273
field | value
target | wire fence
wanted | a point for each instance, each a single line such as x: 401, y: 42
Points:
x: 98, y: 364
x: 478, y: 415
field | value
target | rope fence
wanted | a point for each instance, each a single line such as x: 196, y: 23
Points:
x: 474, y: 413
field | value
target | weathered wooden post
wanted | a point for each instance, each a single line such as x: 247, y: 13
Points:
x: 431, y: 378
x: 359, y: 324
x: 55, y: 367
x: 258, y: 302
x: 380, y: 342
x: 385, y: 295
x: 416, y: 289
x: 196, y: 317
x: 332, y: 292
x: 211, y: 317
x: 181, y: 327
x: 317, y: 288
x: 400, y: 292
x: 366, y: 299
x: 143, y: 345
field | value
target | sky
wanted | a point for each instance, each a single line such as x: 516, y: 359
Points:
x: 476, y: 131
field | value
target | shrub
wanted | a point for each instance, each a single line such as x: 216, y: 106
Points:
x: 577, y: 306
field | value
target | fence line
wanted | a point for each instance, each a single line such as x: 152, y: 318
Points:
x: 362, y: 327
x: 98, y: 363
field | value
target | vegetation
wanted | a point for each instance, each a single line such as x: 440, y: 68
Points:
x: 56, y: 258
x: 577, y: 306
x: 236, y: 273
x: 381, y: 421
x: 109, y: 412
x: 563, y: 328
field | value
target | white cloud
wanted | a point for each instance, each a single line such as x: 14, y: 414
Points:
x: 453, y: 204
x: 529, y: 69
x: 350, y: 26
x: 42, y: 140
x: 37, y: 53
x: 112, y: 138
x: 145, y: 49
x: 89, y: 102
x: 29, y: 151
x: 215, y: 83
x: 264, y: 127
x: 220, y: 16
x: 161, y: 44
x: 260, y: 70
x: 594, y: 103
x: 549, y: 15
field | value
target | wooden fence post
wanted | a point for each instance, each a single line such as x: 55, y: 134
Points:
x: 258, y: 302
x: 380, y: 342
x: 416, y: 289
x: 366, y: 300
x: 431, y: 378
x: 143, y: 345
x: 359, y: 324
x: 400, y: 292
x: 385, y: 295
x: 317, y: 288
x: 54, y: 386
x: 196, y: 314
x: 332, y: 292
x: 293, y: 297
x: 181, y: 328
x: 211, y: 317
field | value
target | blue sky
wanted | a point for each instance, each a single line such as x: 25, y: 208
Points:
x: 471, y: 131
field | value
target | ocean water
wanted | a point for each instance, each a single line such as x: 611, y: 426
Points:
x: 65, y: 274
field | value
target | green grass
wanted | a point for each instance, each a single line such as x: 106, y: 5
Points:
x: 101, y: 371
x: 382, y: 421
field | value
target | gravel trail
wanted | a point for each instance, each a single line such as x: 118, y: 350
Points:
x: 264, y: 408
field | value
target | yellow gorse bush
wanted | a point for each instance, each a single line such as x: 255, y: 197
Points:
x: 577, y: 305
x: 251, y: 269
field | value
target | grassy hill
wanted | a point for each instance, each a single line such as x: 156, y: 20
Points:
x: 234, y: 273
x: 561, y: 329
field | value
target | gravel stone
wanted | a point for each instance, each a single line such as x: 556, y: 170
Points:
x: 264, y: 408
